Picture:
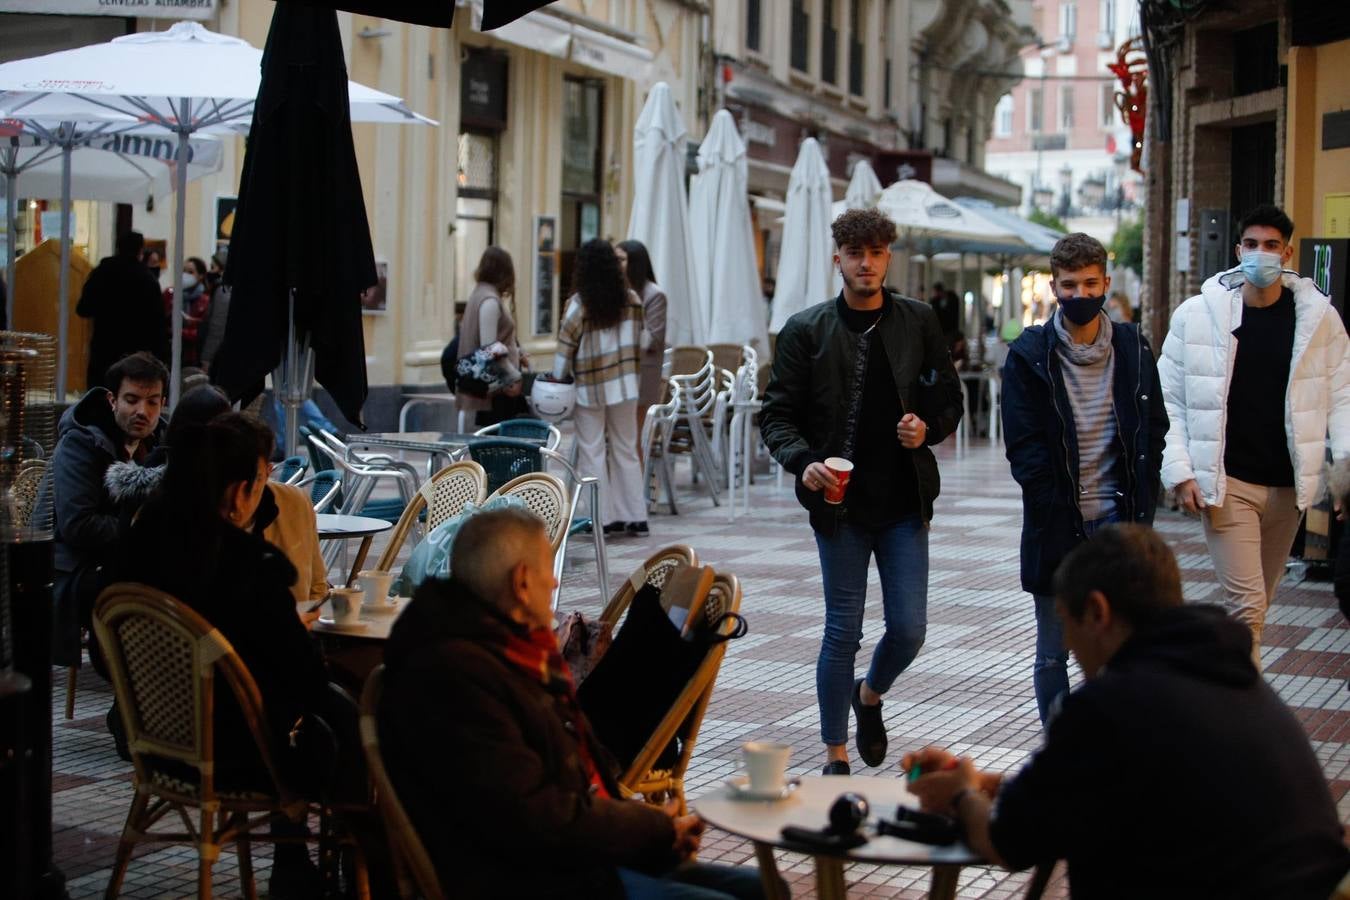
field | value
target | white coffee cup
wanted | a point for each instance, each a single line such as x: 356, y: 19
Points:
x: 376, y: 587
x: 766, y: 764
x: 346, y: 603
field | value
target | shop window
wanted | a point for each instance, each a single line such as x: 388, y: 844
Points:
x: 475, y: 205
x: 583, y: 120
x: 1003, y: 116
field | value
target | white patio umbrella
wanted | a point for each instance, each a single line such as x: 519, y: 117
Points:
x: 863, y: 190
x: 728, y: 288
x: 660, y: 214
x: 920, y: 212
x: 807, y: 253
x: 182, y: 81
x: 118, y: 168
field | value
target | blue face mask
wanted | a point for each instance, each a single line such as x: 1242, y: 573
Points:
x: 1260, y: 268
x: 1081, y: 310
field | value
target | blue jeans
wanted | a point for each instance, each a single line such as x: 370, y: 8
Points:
x: 1050, y: 670
x: 693, y: 881
x: 902, y: 560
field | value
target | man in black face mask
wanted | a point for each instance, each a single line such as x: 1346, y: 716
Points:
x: 1084, y: 423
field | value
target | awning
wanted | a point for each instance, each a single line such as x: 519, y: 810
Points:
x: 544, y: 32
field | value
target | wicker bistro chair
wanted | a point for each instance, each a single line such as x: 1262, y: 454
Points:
x: 506, y: 459
x: 685, y: 715
x: 413, y: 867
x: 548, y: 498
x: 23, y: 493
x: 443, y: 496
x: 165, y: 661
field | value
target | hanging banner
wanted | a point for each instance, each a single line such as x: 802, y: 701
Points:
x: 145, y: 9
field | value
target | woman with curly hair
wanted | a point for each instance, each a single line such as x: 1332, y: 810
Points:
x: 599, y: 346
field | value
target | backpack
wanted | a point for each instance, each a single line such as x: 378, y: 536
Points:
x: 449, y: 359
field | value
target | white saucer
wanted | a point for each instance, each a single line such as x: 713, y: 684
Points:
x: 740, y: 789
x: 355, y: 627
x: 383, y: 609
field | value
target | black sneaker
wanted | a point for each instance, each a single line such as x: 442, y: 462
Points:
x: 638, y: 529
x: 871, y: 737
x: 616, y: 527
x: 836, y: 767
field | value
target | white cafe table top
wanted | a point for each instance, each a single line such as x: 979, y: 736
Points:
x: 373, y: 626
x: 336, y: 525
x: 808, y: 806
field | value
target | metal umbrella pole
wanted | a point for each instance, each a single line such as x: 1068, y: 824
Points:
x: 183, y: 127
x: 63, y: 302
x: 9, y: 163
x: 292, y: 380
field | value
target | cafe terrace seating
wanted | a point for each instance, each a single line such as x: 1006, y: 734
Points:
x: 165, y: 661
x: 442, y: 497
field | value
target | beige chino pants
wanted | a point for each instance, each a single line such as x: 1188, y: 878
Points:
x: 607, y: 448
x: 1249, y: 539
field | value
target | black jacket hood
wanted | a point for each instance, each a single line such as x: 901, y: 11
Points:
x: 1201, y: 641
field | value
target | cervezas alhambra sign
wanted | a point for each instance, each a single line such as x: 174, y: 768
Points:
x: 148, y: 9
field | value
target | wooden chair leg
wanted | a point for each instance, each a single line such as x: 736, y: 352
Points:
x: 125, y: 845
x: 72, y: 676
x: 247, y: 883
x: 207, y: 853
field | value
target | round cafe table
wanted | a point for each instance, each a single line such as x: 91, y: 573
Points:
x: 334, y: 526
x: 808, y: 806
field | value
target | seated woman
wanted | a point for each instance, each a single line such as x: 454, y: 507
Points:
x: 190, y: 540
x: 284, y: 517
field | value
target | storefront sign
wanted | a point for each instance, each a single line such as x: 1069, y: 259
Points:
x: 146, y: 9
x: 482, y: 90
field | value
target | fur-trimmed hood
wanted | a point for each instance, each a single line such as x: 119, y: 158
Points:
x: 129, y: 482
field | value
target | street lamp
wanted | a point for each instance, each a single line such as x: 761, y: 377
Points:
x: 1065, y: 185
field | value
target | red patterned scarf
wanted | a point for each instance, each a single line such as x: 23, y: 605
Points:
x: 536, y: 654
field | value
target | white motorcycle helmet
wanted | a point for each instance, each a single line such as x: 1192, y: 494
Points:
x: 552, y: 400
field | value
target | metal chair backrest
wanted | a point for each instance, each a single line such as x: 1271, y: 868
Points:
x: 24, y: 491
x: 290, y: 470
x: 504, y: 459
x: 546, y: 496
x: 320, y: 458
x: 527, y: 429
x: 443, y: 496
x: 164, y: 660
x: 325, y: 489
x: 409, y: 853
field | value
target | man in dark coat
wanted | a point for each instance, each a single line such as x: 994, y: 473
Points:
x: 1174, y: 771
x: 490, y: 753
x: 866, y: 377
x: 1084, y: 424
x: 103, y: 428
x: 124, y: 301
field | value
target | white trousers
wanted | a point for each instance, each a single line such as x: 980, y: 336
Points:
x: 607, y: 448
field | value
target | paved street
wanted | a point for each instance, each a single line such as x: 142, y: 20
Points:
x: 969, y: 689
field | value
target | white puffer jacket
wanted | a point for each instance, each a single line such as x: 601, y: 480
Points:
x: 1196, y: 370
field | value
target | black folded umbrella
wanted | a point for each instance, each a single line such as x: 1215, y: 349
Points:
x: 438, y: 13
x: 301, y: 240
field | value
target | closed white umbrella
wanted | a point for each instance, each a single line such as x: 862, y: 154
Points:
x: 182, y: 81
x: 807, y: 253
x: 660, y: 214
x: 724, y: 242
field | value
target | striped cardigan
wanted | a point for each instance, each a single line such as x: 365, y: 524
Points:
x: 604, y: 362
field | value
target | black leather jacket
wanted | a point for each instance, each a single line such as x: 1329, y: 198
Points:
x: 806, y: 402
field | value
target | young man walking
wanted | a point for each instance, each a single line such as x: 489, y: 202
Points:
x: 1083, y: 420
x: 1256, y: 373
x: 865, y: 377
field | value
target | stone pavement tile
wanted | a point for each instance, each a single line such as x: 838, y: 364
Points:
x: 970, y: 687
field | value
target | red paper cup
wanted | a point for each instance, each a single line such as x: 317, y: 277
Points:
x: 841, y: 469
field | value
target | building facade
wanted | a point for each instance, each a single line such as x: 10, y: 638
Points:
x: 1058, y: 133
x: 534, y: 147
x: 1250, y: 108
